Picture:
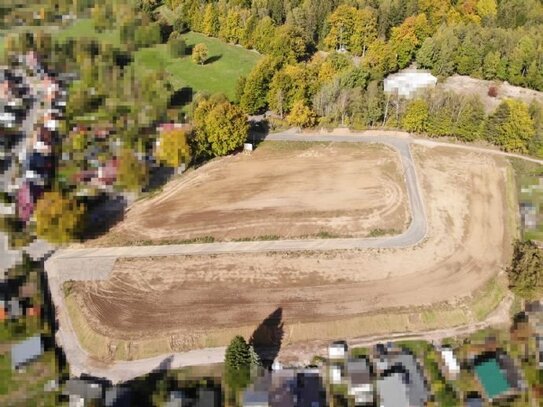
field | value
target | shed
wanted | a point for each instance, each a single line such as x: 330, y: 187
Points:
x: 26, y: 351
x: 337, y: 350
x: 451, y: 364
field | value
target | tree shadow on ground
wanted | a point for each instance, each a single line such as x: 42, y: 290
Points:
x: 182, y: 96
x: 268, y: 337
x: 213, y: 58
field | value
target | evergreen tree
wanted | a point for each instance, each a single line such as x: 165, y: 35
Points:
x: 237, y: 365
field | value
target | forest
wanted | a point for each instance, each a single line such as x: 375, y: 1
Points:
x: 320, y: 63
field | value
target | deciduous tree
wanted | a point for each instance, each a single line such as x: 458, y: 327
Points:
x: 220, y: 128
x: 511, y: 126
x: 58, y: 218
x: 173, y: 148
x: 526, y: 271
x: 416, y: 116
x: 301, y: 115
x: 199, y: 53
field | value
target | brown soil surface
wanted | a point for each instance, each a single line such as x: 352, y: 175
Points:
x: 468, y: 243
x: 282, y: 189
x: 466, y: 85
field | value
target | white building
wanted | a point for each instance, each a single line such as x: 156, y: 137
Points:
x: 337, y: 350
x: 409, y: 82
x: 451, y: 364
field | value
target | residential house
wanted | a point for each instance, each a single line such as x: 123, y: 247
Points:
x: 310, y: 391
x: 402, y: 365
x: 359, y: 380
x: 498, y: 375
x: 393, y: 390
x: 256, y: 398
x: 26, y: 351
x: 83, y: 391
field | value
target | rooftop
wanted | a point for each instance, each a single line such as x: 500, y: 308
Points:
x: 26, y: 351
x: 492, y: 378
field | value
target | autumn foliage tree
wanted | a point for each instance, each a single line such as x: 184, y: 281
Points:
x: 416, y: 116
x: 511, y: 126
x: 173, y: 148
x: 301, y: 115
x: 58, y: 218
x: 199, y: 54
x: 220, y: 127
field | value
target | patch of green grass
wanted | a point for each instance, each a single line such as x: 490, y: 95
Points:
x: 489, y: 298
x: 5, y: 374
x: 257, y: 238
x: 85, y: 28
x: 226, y: 63
x: 382, y: 232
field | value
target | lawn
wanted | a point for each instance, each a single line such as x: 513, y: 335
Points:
x: 85, y: 28
x: 225, y: 64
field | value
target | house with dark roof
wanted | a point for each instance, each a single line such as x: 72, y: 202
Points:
x: 81, y: 391
x: 359, y: 381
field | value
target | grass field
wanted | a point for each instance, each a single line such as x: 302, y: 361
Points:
x: 84, y: 28
x: 226, y: 63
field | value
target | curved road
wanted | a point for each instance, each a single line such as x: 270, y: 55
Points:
x: 97, y: 263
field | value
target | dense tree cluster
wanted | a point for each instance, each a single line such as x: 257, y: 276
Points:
x: 220, y: 126
x: 526, y: 271
x: 514, y: 126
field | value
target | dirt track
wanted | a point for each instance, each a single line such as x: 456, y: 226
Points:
x: 468, y: 243
x: 284, y: 189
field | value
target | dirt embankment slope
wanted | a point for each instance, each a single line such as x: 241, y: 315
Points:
x: 468, y: 243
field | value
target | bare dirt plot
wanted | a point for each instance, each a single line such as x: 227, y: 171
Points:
x: 285, y: 189
x: 466, y: 85
x: 190, y: 300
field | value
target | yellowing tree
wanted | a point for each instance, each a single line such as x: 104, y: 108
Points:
x: 199, y: 54
x: 416, y: 116
x: 487, y: 8
x: 351, y: 29
x: 173, y: 148
x: 511, y: 126
x: 301, y: 115
x: 58, y: 219
x: 220, y: 127
x: 407, y: 37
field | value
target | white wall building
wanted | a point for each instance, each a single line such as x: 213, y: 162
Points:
x: 409, y: 82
